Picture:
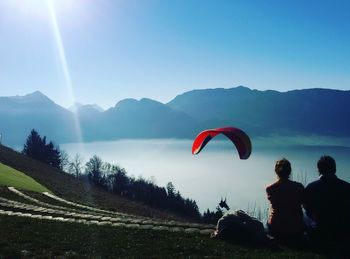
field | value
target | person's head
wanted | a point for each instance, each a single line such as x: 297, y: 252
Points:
x: 326, y: 166
x: 283, y: 168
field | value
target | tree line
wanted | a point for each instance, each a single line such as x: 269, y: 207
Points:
x: 111, y: 178
x: 114, y: 179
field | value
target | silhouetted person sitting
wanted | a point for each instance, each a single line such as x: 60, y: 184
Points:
x: 285, y: 221
x: 327, y: 203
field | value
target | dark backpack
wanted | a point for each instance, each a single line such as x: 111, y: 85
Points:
x: 239, y: 227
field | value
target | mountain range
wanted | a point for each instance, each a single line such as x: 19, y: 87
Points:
x: 323, y: 112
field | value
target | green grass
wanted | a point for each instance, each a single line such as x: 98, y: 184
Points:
x: 47, y: 239
x: 19, y: 180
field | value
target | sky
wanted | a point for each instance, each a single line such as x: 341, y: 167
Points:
x: 102, y: 51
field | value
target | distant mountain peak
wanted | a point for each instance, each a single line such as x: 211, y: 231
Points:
x: 242, y: 87
x: 97, y: 107
x: 78, y: 108
x: 35, y: 97
x: 36, y: 94
x: 75, y: 107
x: 131, y: 102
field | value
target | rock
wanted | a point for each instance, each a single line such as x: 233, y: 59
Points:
x: 160, y: 228
x: 136, y: 221
x: 115, y: 219
x: 146, y: 226
x: 118, y: 224
x: 58, y: 219
x: 104, y: 223
x: 176, y: 229
x: 206, y: 231
x: 192, y: 230
x: 132, y: 225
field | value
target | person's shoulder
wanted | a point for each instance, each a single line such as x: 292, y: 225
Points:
x: 297, y: 185
x: 271, y: 186
x: 344, y: 183
x: 312, y: 185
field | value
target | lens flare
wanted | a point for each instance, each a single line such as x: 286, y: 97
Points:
x: 38, y: 8
x: 64, y: 65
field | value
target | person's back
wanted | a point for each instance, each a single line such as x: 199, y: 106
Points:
x: 286, y: 216
x: 327, y: 203
x: 286, y: 197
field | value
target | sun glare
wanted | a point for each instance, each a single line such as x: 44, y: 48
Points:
x: 64, y: 64
x: 38, y: 8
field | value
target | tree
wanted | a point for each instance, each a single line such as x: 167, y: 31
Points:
x: 118, y: 180
x: 36, y: 147
x: 76, y: 165
x: 170, y: 189
x: 65, y: 161
x: 114, y: 179
x: 52, y: 155
x: 212, y: 217
x: 94, y: 171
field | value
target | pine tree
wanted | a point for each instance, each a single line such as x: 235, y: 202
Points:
x: 36, y: 147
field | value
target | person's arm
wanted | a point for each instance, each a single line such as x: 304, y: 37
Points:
x: 272, y: 197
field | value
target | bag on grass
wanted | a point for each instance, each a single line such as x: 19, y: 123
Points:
x: 239, y: 227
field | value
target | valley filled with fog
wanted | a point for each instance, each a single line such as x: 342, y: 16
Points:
x: 217, y: 171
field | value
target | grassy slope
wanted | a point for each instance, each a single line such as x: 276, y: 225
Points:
x: 50, y: 239
x: 17, y: 179
x: 68, y: 187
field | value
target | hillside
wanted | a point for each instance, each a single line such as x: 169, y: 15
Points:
x: 35, y: 225
x: 68, y: 187
x: 19, y: 180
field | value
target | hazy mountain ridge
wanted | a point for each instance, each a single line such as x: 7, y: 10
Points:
x: 83, y: 108
x: 20, y: 114
x: 145, y: 118
x: 311, y: 111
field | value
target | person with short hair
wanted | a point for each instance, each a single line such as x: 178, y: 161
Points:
x: 285, y: 220
x: 327, y: 203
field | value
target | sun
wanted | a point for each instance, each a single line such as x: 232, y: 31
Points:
x: 39, y: 8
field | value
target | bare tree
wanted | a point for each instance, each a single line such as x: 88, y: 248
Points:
x: 65, y: 161
x: 76, y: 166
x: 94, y: 169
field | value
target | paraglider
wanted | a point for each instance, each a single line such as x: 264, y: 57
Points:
x: 239, y: 138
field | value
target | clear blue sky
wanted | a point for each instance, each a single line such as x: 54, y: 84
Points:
x: 117, y: 49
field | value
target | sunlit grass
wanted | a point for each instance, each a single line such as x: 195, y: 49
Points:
x: 17, y: 179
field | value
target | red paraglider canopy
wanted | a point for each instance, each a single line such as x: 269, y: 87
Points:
x: 239, y: 138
